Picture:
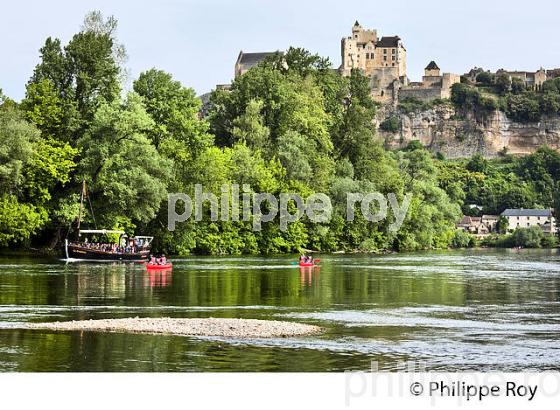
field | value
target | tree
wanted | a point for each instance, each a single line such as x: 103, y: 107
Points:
x: 485, y: 77
x: 17, y: 137
x: 18, y: 221
x: 503, y: 84
x: 523, y: 108
x: 250, y: 129
x: 477, y: 164
x: 391, y: 124
x: 550, y: 103
x: 175, y: 111
x: 68, y: 84
x: 125, y: 173
x: 528, y: 237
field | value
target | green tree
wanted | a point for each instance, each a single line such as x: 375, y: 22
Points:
x: 126, y: 174
x: 249, y: 127
x: 175, y: 111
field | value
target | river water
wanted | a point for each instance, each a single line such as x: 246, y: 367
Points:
x: 475, y: 310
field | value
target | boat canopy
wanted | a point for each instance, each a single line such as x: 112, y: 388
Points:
x: 103, y: 231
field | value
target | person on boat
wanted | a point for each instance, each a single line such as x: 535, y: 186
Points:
x: 163, y: 260
x: 152, y: 259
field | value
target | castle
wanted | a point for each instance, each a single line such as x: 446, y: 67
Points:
x: 384, y: 62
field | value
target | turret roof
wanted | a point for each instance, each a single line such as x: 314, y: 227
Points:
x: 432, y: 66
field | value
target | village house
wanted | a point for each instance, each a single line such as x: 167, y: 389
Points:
x: 479, y: 225
x: 533, y: 80
x: 525, y: 218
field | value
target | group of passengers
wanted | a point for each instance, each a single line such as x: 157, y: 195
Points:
x: 110, y: 247
x: 158, y: 261
x: 306, y: 259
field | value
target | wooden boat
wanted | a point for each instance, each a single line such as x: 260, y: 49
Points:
x: 129, y: 248
x: 100, y: 248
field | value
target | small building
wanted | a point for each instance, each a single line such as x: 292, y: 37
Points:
x: 532, y: 79
x: 246, y: 61
x: 479, y: 225
x: 525, y: 218
x: 434, y: 85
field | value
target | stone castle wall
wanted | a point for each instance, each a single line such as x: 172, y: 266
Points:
x: 422, y: 94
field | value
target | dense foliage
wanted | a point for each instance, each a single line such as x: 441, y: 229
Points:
x: 493, y: 92
x: 290, y: 124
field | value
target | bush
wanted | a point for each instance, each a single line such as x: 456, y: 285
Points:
x: 503, y: 84
x: 410, y: 105
x: 549, y: 241
x: 391, y: 124
x: 462, y: 239
x: 517, y: 85
x: 523, y: 108
x: 531, y: 237
x: 550, y: 103
x: 485, y: 78
x: 468, y: 97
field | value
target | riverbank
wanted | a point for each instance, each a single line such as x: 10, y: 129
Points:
x: 230, y: 328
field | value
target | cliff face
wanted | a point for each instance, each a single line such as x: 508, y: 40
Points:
x: 440, y: 129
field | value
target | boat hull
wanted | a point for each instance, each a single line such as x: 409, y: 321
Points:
x: 77, y: 252
x: 150, y: 266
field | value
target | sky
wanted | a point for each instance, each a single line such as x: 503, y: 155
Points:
x: 198, y: 41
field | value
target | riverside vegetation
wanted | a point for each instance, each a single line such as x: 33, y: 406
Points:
x: 290, y: 124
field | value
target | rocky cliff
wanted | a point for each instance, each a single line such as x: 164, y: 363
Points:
x: 456, y: 135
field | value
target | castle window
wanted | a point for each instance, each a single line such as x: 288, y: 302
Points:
x: 393, y: 58
x: 394, y: 51
x: 393, y: 64
x: 384, y: 58
x: 367, y: 56
x: 384, y: 51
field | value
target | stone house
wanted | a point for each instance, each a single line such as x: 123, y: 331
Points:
x: 525, y: 218
x: 532, y: 80
x: 479, y: 225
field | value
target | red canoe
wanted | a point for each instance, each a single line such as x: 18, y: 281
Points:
x: 308, y: 264
x: 159, y: 267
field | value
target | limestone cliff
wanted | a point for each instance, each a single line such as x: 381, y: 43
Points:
x: 441, y: 129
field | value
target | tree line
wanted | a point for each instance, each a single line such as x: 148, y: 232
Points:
x: 290, y: 124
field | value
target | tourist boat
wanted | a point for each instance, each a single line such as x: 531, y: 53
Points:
x: 100, y: 248
x: 134, y: 248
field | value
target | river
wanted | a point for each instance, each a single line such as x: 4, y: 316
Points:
x: 479, y: 310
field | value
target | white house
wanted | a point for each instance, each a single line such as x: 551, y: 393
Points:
x: 524, y: 218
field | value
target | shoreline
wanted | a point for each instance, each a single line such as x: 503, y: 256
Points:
x: 44, y: 253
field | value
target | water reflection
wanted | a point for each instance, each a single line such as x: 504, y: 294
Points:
x: 308, y: 275
x: 160, y: 278
x: 472, y: 310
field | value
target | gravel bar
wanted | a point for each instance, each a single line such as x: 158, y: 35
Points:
x: 234, y: 328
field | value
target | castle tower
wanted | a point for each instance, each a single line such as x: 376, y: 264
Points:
x: 365, y: 51
x: 432, y: 70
